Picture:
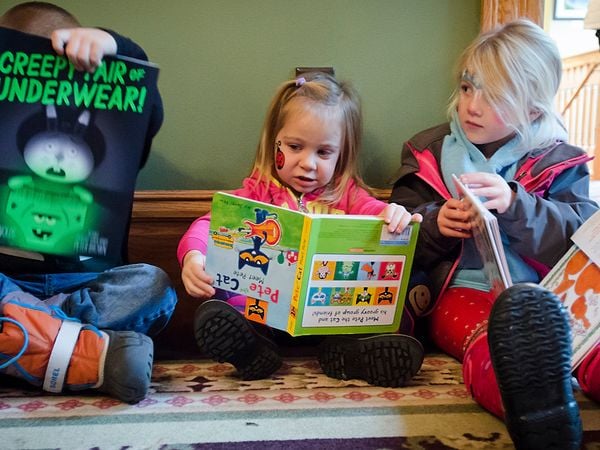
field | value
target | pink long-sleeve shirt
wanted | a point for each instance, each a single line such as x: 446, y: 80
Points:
x: 355, y: 200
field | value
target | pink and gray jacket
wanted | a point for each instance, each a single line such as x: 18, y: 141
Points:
x: 552, y: 201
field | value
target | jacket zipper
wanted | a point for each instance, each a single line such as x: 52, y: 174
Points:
x: 301, y: 205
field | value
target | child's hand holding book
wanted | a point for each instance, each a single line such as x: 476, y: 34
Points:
x: 398, y: 218
x: 492, y: 186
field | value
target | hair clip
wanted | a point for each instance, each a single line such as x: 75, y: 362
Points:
x: 300, y: 81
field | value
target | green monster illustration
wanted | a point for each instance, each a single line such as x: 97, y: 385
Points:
x: 49, y: 208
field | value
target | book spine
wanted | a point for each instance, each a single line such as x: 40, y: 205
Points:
x: 297, y: 288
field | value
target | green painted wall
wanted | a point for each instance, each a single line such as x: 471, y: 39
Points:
x: 221, y: 61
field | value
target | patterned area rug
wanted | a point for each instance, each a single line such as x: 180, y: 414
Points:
x: 200, y: 404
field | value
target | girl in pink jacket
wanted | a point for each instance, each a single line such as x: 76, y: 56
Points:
x: 306, y: 160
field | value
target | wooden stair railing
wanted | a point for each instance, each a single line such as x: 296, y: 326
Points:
x: 578, y: 100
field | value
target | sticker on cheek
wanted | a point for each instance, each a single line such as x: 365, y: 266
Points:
x: 279, y: 157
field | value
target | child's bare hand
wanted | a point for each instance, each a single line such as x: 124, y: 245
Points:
x: 196, y: 281
x: 397, y: 217
x: 85, y: 47
x: 453, y: 220
x: 491, y: 186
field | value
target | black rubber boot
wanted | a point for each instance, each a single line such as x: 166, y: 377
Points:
x: 530, y: 346
x: 388, y: 360
x: 225, y: 335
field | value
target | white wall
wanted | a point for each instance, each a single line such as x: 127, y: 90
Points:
x: 571, y: 38
x: 569, y: 35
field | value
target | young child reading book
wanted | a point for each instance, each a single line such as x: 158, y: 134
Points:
x: 306, y: 160
x: 508, y: 144
x: 70, y: 321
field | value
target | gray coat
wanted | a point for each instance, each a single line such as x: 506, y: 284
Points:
x: 552, y: 201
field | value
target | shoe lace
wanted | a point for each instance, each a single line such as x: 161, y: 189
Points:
x: 59, y: 313
x: 23, y: 347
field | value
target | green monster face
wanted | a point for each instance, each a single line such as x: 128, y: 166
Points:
x: 47, y: 220
x: 43, y: 225
x: 346, y: 270
x: 49, y: 212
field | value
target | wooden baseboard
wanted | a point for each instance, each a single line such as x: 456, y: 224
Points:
x: 159, y: 219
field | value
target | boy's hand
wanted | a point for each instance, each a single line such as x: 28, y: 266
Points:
x: 196, y: 281
x: 453, y: 220
x: 85, y: 47
x: 491, y: 186
x: 397, y: 217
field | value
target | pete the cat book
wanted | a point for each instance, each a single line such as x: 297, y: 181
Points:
x: 310, y: 273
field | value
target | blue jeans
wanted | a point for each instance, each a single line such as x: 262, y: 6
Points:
x: 134, y: 297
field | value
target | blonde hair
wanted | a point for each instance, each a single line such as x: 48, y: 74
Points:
x: 311, y: 93
x: 518, y: 69
x: 39, y: 18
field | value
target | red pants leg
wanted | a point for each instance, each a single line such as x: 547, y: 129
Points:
x: 458, y: 326
x: 458, y: 315
x: 588, y: 374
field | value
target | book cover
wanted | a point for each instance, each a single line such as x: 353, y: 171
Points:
x: 575, y: 279
x: 72, y: 143
x: 488, y: 241
x: 310, y: 273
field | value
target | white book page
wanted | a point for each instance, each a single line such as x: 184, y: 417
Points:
x: 587, y: 238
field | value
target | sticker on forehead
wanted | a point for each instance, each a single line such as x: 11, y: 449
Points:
x: 279, y: 156
x: 471, y: 78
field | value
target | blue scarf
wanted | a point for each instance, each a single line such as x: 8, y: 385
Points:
x: 459, y: 156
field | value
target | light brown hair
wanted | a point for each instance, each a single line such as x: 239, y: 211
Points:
x: 315, y: 90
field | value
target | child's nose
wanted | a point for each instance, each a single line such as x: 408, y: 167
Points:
x: 309, y: 161
x: 474, y: 104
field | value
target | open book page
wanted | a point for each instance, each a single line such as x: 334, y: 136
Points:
x: 587, y: 238
x: 487, y: 240
x: 576, y: 281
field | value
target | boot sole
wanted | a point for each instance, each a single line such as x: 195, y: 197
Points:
x: 530, y: 345
x: 385, y: 360
x: 225, y: 335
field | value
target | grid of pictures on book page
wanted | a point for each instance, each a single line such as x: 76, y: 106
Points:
x: 362, y: 289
